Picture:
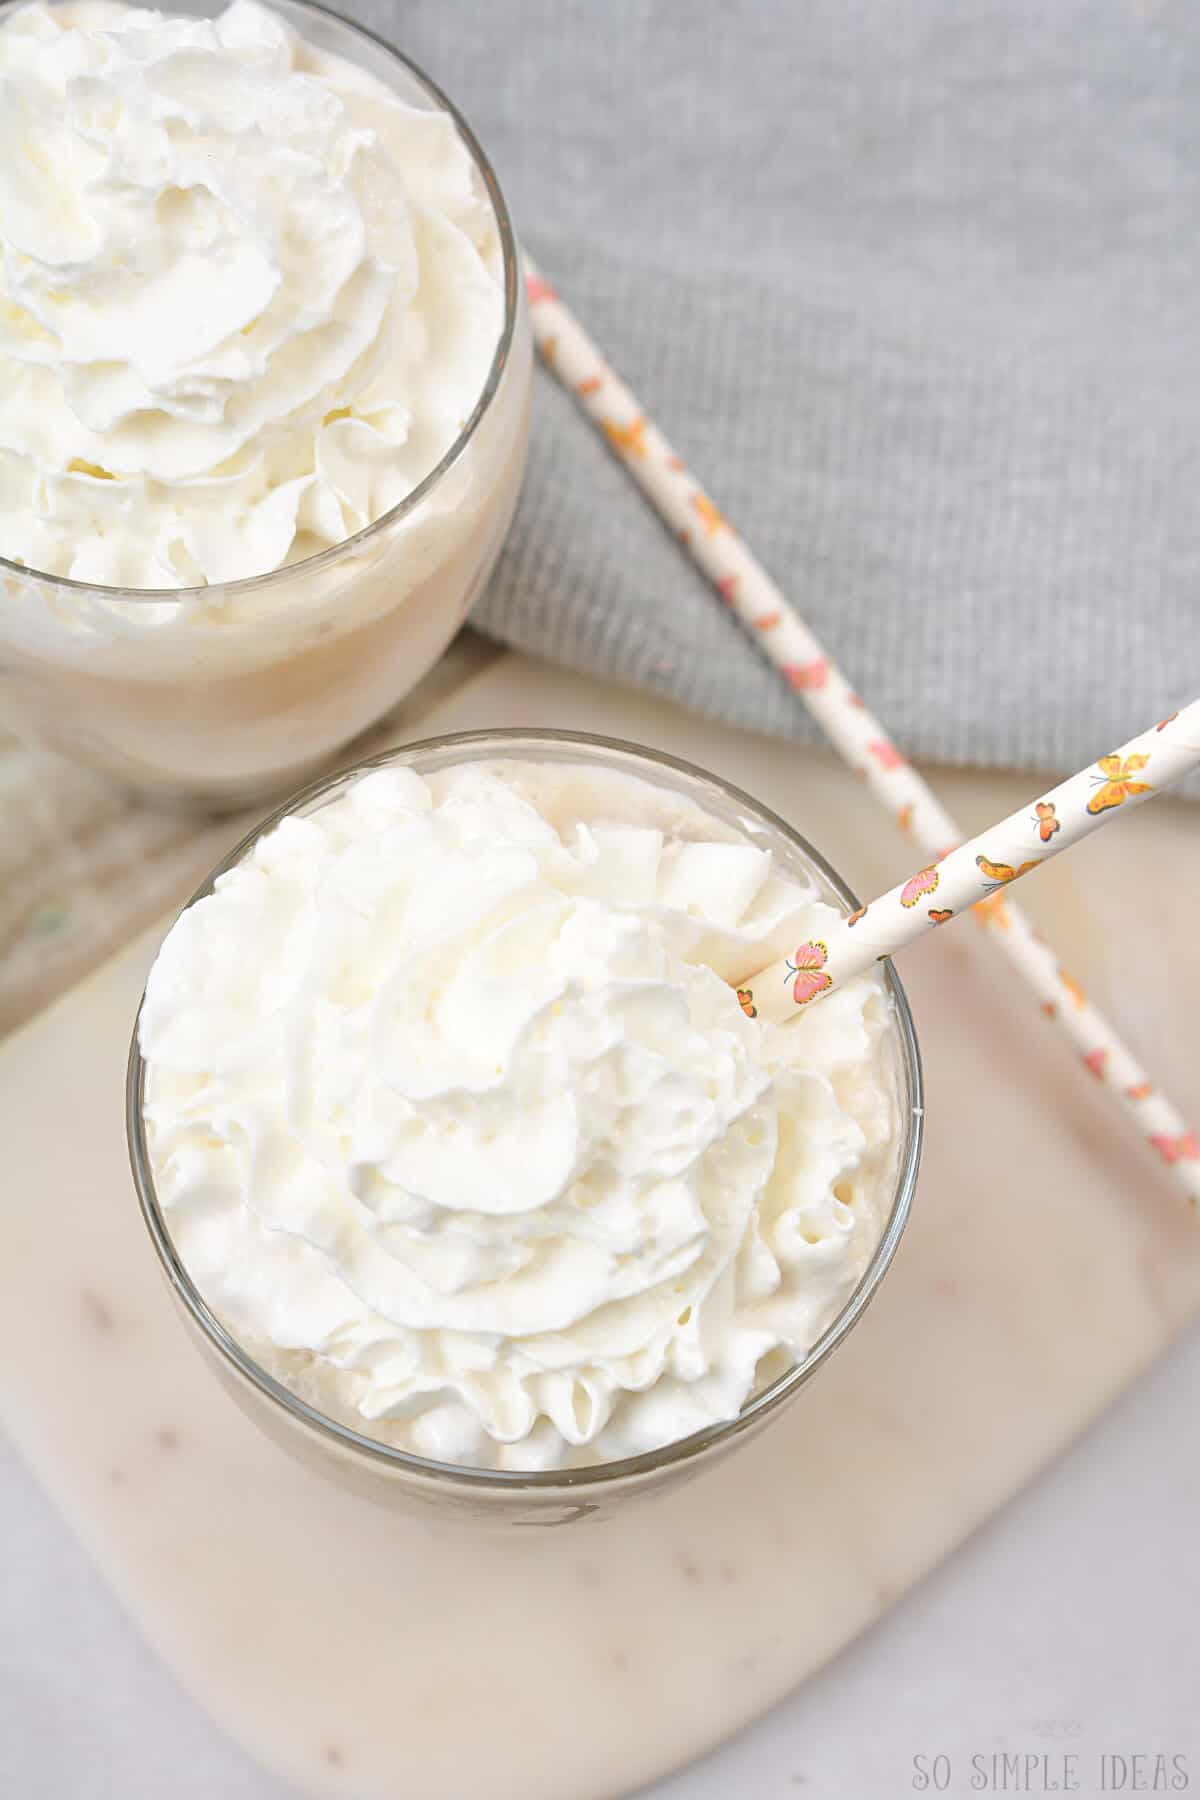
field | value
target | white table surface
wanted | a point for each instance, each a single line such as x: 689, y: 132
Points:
x: 1068, y: 1625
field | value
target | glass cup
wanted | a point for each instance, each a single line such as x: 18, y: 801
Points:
x: 558, y: 1496
x: 224, y: 694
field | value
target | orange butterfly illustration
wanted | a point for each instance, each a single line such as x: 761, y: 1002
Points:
x: 856, y: 916
x: 767, y: 621
x: 1142, y: 1091
x: 713, y: 520
x: 1000, y: 874
x: 1047, y: 821
x: 923, y: 882
x: 1177, y: 1149
x: 809, y: 970
x: 746, y: 1002
x: 548, y: 346
x: 807, y: 675
x: 904, y: 817
x: 627, y: 440
x: 1169, y: 720
x: 591, y: 384
x: 939, y: 915
x: 1073, y: 988
x: 993, y: 910
x: 1115, y: 784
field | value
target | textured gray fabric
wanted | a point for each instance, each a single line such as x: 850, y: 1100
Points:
x: 914, y: 289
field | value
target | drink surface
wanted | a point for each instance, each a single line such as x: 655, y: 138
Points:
x: 459, y: 1126
x: 248, y: 297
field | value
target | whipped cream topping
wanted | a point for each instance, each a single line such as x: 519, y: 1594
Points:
x: 459, y: 1126
x: 248, y: 298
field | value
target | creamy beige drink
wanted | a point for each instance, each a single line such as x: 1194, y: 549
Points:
x: 458, y: 1124
x: 264, y: 378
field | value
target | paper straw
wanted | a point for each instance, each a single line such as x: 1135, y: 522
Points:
x: 990, y: 862
x: 854, y: 732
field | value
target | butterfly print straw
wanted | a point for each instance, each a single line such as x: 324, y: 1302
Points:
x: 989, y: 863
x: 854, y: 732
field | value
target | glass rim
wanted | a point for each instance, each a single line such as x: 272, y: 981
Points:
x: 512, y: 296
x: 598, y: 1476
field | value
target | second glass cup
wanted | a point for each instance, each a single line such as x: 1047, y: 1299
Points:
x: 395, y: 1476
x: 225, y: 694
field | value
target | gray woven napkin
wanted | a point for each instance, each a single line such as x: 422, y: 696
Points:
x: 914, y: 289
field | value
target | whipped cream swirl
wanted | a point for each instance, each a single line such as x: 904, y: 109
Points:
x: 458, y: 1124
x: 248, y: 298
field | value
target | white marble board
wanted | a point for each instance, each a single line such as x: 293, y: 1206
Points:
x: 1047, y: 1262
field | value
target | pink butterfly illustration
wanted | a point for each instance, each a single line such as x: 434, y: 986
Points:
x: 1095, y: 1060
x: 539, y: 289
x: 923, y: 882
x: 1177, y: 1149
x: 809, y: 970
x: 807, y: 675
x: 886, y: 755
x: 726, y: 587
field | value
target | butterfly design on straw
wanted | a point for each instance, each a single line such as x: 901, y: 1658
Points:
x: 940, y: 914
x: 627, y: 440
x: 999, y: 874
x: 993, y: 910
x: 1073, y: 988
x: 810, y: 973
x: 746, y: 1002
x: 807, y: 675
x: 1115, y: 783
x: 712, y: 520
x: 886, y: 755
x: 1177, y: 1149
x: 918, y: 885
x: 538, y: 289
x: 1047, y: 820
